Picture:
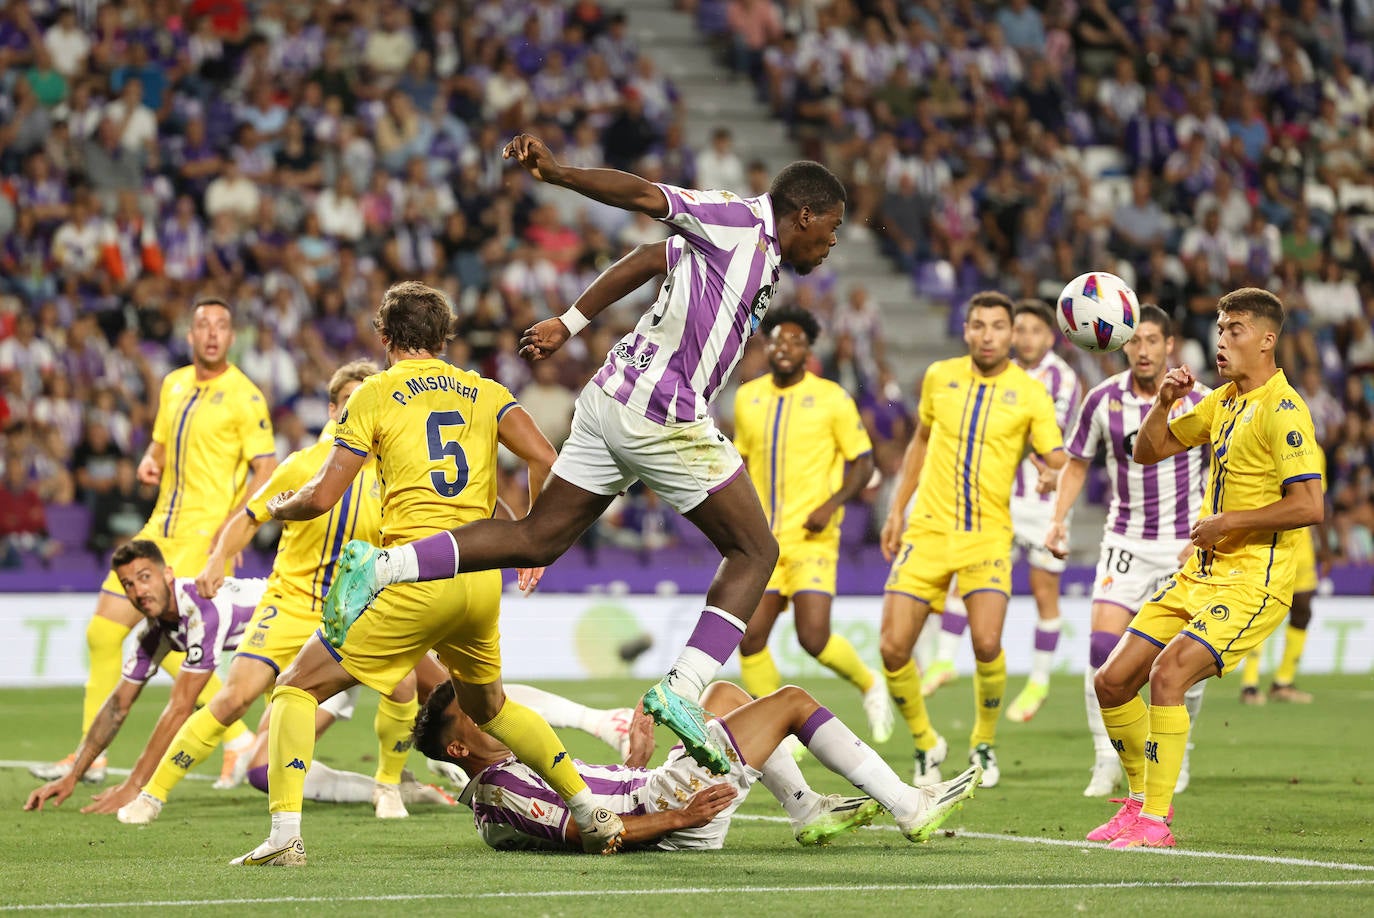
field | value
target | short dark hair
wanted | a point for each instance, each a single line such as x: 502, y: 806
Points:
x: 794, y: 315
x: 1260, y: 304
x: 1030, y: 306
x: 806, y: 184
x: 432, y: 723
x: 990, y: 299
x: 213, y: 301
x: 415, y: 317
x: 134, y: 549
x: 1152, y: 313
x: 356, y: 371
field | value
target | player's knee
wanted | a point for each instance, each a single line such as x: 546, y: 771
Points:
x: 1301, y: 615
x: 1168, y: 679
x: 1111, y: 689
x: 798, y: 700
x: 895, y: 652
x: 813, y: 641
x: 986, y: 647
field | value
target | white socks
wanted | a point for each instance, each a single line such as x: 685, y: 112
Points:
x: 1042, y: 661
x: 398, y: 564
x: 837, y: 748
x: 785, y: 782
x: 285, y: 826
x: 1192, y: 700
x: 715, y: 638
x: 557, y: 710
x: 329, y: 785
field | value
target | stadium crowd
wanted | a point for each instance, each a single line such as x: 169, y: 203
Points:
x: 298, y: 158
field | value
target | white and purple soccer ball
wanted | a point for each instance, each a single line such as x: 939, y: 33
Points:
x: 1098, y: 312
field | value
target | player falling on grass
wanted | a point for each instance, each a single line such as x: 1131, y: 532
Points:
x: 1263, y: 489
x: 1149, y: 518
x: 434, y: 430
x: 176, y: 619
x: 287, y: 617
x: 680, y: 805
x: 976, y: 416
x: 1033, y: 336
x: 808, y: 454
x: 211, y: 428
x: 1306, y: 567
x: 644, y: 416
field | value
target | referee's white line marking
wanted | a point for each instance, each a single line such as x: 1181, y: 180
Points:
x: 695, y: 890
x: 1090, y: 846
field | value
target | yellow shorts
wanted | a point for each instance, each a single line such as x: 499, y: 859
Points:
x: 280, y: 626
x: 1229, y: 619
x: 186, y: 557
x: 806, y: 566
x: 459, y: 619
x: 927, y: 561
x: 1305, y: 564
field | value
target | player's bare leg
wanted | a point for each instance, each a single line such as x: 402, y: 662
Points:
x: 758, y: 670
x: 811, y: 613
x: 987, y: 613
x: 1045, y: 588
x: 759, y: 727
x: 903, y: 618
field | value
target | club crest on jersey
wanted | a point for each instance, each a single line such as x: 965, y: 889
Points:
x: 1103, y: 331
x: 759, y: 306
x: 1009, y: 397
x: 217, y: 398
x: 1294, y: 439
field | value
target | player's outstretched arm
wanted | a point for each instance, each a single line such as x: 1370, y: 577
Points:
x: 641, y: 265
x: 180, y: 706
x: 704, y: 806
x: 912, y: 460
x: 1071, y: 479
x: 151, y: 465
x: 1155, y: 442
x: 103, y: 730
x: 609, y: 186
x: 323, y: 491
x: 233, y: 538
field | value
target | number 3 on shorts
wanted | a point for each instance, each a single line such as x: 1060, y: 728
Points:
x: 440, y: 447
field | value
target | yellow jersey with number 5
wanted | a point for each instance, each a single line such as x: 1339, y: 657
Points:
x: 432, y: 428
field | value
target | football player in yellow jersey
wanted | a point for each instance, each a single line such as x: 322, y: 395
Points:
x: 976, y: 416
x: 1263, y: 489
x: 211, y: 429
x: 434, y: 430
x: 288, y: 615
x: 808, y: 453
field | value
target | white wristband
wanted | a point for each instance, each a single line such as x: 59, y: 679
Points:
x: 574, y: 320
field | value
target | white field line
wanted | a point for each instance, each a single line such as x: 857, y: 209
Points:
x: 689, y: 891
x: 117, y: 772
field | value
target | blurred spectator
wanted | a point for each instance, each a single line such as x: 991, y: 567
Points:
x: 119, y: 511
x: 23, y: 521
x: 719, y: 166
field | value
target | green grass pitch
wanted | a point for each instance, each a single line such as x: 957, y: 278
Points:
x: 1279, y: 820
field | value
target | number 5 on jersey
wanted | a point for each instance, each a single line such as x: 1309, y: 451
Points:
x: 447, y: 484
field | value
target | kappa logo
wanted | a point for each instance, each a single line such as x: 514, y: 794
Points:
x: 1286, y: 405
x: 560, y: 757
x: 1198, y: 625
x: 952, y: 384
x: 296, y: 764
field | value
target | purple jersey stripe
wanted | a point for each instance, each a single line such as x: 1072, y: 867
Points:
x: 500, y: 777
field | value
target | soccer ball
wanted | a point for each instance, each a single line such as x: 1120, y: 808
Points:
x: 1098, y: 312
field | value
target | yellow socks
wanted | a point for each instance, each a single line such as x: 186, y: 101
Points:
x: 290, y: 747
x: 196, y: 739
x: 105, y: 645
x: 989, y: 685
x: 1294, y: 640
x: 840, y: 657
x: 533, y: 741
x: 393, y: 724
x: 1250, y: 669
x: 904, y: 685
x: 1128, y: 725
x: 1164, y: 749
x: 759, y: 673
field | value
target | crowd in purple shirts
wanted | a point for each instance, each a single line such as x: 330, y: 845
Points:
x: 299, y: 157
x: 1191, y: 146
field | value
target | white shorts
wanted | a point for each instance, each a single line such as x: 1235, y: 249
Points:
x: 674, y: 782
x: 611, y: 447
x: 1130, y: 570
x: 1030, y: 524
x: 342, y: 704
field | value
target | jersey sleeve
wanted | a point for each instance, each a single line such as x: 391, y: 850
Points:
x: 357, y: 427
x: 502, y: 399
x: 205, y: 629
x: 848, y: 429
x: 513, y: 809
x: 1045, y: 436
x: 708, y: 219
x: 289, y: 476
x: 150, y: 646
x: 1084, y: 432
x: 1195, y: 427
x: 162, y: 424
x: 255, y: 425
x: 1293, y: 443
x: 925, y: 411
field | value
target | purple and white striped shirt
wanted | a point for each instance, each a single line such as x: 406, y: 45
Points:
x: 1152, y: 502
x: 204, y: 630
x: 723, y: 266
x: 1062, y: 383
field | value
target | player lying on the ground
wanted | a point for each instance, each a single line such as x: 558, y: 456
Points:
x: 179, y: 619
x: 680, y: 804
